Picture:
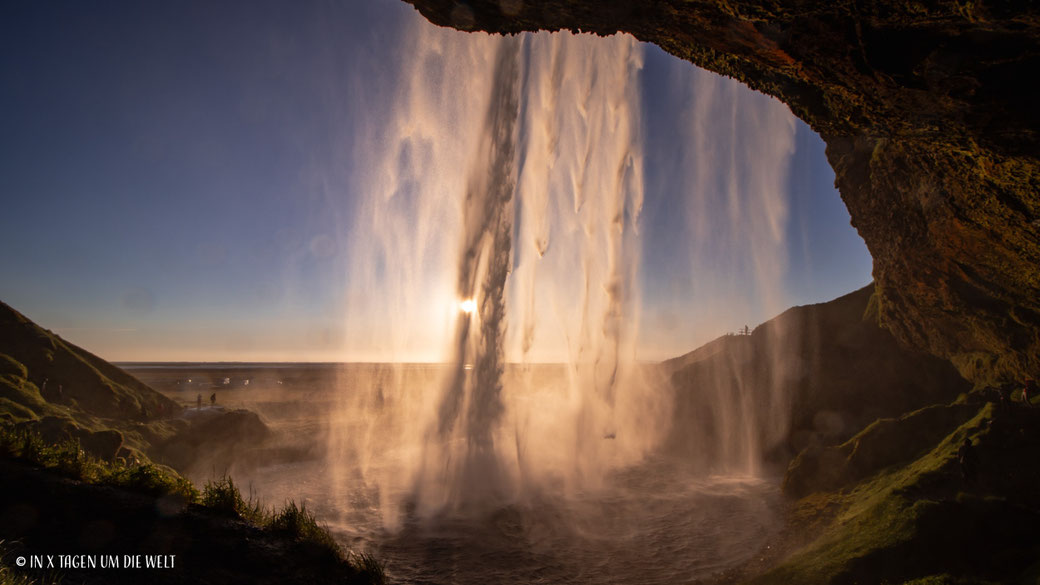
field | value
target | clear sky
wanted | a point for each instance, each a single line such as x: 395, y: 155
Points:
x: 175, y: 181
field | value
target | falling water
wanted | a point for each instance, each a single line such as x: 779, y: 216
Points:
x: 510, y: 175
x: 471, y: 407
x: 737, y: 212
x: 510, y: 432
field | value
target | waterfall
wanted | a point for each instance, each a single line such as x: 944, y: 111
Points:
x: 498, y: 233
x: 509, y: 175
x: 471, y: 407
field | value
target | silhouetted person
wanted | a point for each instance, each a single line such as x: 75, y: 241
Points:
x: 969, y: 461
x: 198, y: 402
x: 1029, y: 391
x: 1004, y: 391
x: 213, y: 399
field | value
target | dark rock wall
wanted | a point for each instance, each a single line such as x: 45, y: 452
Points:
x: 927, y: 111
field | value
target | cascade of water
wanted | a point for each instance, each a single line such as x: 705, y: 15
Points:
x: 509, y: 175
x: 461, y: 453
x: 581, y: 193
x: 734, y: 168
x: 528, y: 210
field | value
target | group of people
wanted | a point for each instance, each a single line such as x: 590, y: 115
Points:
x: 212, y: 400
x: 1029, y: 391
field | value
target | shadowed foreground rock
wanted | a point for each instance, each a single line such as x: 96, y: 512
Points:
x: 929, y: 127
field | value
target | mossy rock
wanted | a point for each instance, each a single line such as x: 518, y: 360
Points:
x: 925, y: 519
x: 884, y: 443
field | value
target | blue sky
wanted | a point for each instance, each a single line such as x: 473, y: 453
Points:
x: 165, y: 173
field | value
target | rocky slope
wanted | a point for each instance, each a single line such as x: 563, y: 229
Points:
x: 37, y: 363
x: 930, y: 129
x: 813, y: 376
x: 62, y: 391
x: 894, y: 504
x: 877, y: 493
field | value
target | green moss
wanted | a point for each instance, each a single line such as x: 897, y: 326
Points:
x: 978, y: 367
x: 884, y: 443
x: 20, y: 399
x: 921, y: 520
x: 14, y: 411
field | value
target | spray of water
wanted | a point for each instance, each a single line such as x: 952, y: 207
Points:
x: 509, y: 173
x: 739, y: 146
x: 461, y: 454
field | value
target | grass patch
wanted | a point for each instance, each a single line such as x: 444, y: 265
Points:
x: 299, y: 524
x: 9, y: 551
x: 369, y: 567
x: 292, y: 521
x: 68, y: 459
x: 224, y: 496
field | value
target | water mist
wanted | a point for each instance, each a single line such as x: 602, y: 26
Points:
x: 738, y: 147
x: 508, y: 174
x: 461, y: 454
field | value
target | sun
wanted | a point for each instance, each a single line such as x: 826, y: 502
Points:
x: 467, y: 305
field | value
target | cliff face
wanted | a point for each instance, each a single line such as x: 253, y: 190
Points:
x: 929, y: 125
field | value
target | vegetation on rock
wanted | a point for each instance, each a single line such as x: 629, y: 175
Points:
x: 927, y: 520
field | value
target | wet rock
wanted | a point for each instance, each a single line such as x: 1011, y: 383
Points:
x: 212, y: 439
